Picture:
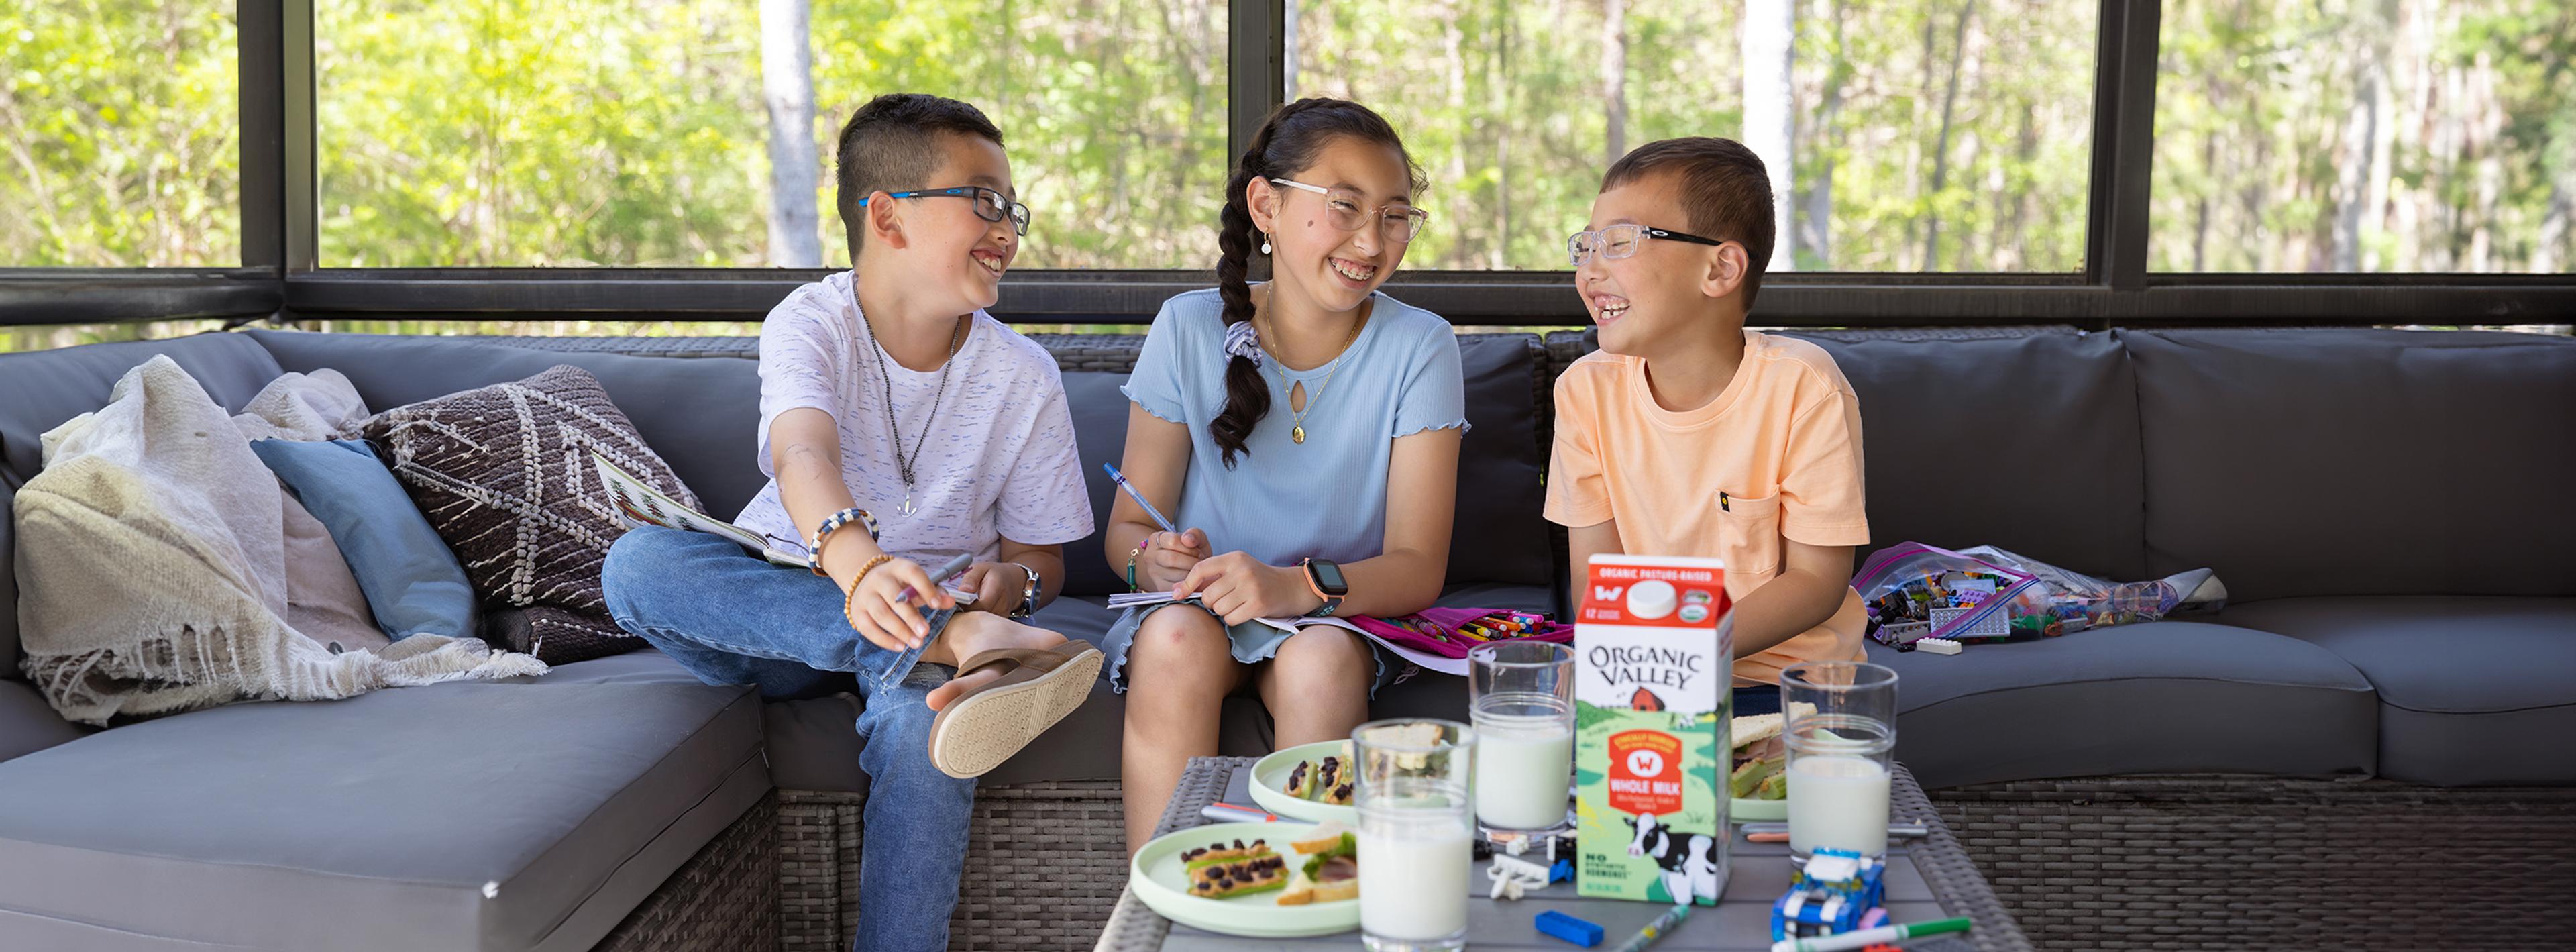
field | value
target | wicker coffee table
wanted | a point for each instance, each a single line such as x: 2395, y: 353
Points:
x: 1927, y: 878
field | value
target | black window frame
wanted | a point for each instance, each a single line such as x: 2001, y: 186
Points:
x: 280, y: 276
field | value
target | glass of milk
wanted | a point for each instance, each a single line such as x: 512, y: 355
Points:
x: 1416, y: 834
x: 1522, y: 703
x: 1841, y: 735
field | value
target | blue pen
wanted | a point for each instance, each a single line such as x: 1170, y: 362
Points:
x: 1121, y: 479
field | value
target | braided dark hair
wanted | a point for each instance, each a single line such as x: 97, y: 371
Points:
x: 1286, y: 145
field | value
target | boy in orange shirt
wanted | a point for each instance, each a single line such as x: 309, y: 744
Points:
x: 1686, y: 434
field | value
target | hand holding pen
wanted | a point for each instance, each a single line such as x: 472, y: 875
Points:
x: 920, y: 627
x: 1166, y: 557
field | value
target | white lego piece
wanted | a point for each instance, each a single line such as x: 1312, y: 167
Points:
x: 1938, y: 646
x: 1513, y: 876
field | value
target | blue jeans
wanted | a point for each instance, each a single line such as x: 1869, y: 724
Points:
x: 731, y: 617
x: 1758, y: 699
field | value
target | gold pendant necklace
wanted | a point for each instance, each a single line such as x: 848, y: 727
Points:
x: 1297, y: 428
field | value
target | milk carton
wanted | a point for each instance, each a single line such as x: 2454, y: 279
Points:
x: 1654, y: 677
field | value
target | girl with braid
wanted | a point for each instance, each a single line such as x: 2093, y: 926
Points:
x: 1304, y: 431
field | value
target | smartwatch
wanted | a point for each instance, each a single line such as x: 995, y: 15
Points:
x: 1325, y: 577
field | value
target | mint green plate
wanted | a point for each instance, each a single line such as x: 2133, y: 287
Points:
x: 1756, y: 811
x: 1270, y: 785
x: 1161, y: 881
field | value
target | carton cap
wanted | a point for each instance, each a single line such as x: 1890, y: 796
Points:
x: 1652, y: 598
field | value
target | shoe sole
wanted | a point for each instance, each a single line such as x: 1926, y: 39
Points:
x: 983, y: 729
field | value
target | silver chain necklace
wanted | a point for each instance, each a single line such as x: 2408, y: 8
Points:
x: 902, y: 463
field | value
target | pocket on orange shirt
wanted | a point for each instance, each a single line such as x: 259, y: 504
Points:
x: 1749, y: 541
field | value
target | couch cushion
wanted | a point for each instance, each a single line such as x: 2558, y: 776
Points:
x: 1100, y: 436
x: 1499, y: 535
x: 2472, y: 690
x: 698, y: 413
x: 28, y: 724
x: 2163, y: 697
x: 2359, y: 462
x: 39, y: 390
x: 500, y: 816
x: 2029, y: 443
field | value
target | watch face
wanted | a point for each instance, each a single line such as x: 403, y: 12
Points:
x: 1329, y: 577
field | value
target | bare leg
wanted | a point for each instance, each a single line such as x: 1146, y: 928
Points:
x: 1317, y: 685
x: 1178, y: 673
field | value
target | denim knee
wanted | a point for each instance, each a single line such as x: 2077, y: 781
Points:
x: 634, y: 561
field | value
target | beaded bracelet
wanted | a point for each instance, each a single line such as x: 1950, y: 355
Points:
x: 848, y: 613
x: 814, y: 552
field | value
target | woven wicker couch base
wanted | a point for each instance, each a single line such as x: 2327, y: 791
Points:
x: 2240, y: 862
x: 1044, y: 864
x: 724, y: 899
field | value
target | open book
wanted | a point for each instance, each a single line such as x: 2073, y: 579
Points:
x: 645, y: 505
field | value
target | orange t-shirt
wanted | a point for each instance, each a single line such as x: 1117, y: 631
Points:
x: 1776, y: 456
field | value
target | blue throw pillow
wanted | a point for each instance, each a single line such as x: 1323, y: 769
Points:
x: 412, y: 581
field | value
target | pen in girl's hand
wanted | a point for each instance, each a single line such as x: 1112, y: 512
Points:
x: 1121, y: 479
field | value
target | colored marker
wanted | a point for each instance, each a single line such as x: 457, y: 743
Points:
x: 1864, y: 937
x: 1665, y: 923
x: 1230, y: 813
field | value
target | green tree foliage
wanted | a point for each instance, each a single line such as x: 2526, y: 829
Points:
x: 1504, y: 104
x: 2440, y: 136
x: 567, y: 132
x: 119, y: 134
x: 1949, y: 135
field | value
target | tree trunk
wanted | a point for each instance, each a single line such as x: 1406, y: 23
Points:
x: 795, y: 165
x: 2552, y: 251
x: 1499, y: 87
x: 1614, y: 76
x: 1941, y: 142
x: 1453, y: 59
x: 2362, y: 164
x: 2484, y: 256
x: 1770, y: 28
x: 2200, y: 211
x: 1816, y: 226
x: 1288, y: 51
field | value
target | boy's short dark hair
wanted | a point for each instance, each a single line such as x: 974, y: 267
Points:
x: 1726, y: 193
x: 892, y: 143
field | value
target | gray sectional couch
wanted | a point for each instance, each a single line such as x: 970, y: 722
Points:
x: 2388, y: 509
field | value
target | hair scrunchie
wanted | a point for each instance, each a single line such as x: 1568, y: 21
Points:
x: 1241, y: 340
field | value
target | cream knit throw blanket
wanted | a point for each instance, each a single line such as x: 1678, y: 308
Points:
x: 152, y: 564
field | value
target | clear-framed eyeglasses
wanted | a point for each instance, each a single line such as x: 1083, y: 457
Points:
x: 1396, y: 221
x: 1620, y: 241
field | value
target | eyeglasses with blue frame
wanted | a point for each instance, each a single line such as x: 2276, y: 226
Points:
x: 990, y: 205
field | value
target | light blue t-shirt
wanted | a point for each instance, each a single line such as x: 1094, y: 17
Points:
x: 1325, y: 498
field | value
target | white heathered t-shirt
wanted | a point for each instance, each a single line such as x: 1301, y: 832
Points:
x: 998, y: 459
